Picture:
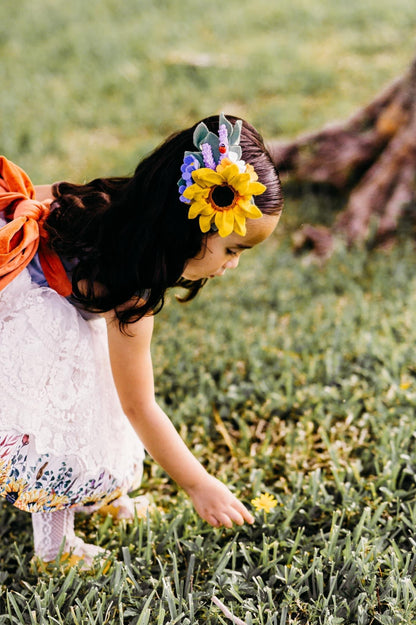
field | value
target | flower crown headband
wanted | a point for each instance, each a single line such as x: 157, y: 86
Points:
x: 217, y: 184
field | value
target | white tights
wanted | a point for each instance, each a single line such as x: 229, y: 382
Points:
x: 55, y: 530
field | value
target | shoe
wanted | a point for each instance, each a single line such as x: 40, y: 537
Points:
x: 83, y: 556
x: 126, y: 507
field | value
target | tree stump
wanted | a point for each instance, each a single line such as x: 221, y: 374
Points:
x: 372, y: 156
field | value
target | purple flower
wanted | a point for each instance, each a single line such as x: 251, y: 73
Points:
x: 207, y: 156
x: 223, y: 137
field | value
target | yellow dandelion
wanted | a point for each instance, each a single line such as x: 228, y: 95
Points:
x: 265, y: 502
x: 405, y: 385
x: 224, y: 197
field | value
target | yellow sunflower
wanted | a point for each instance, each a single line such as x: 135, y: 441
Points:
x: 4, y: 470
x: 224, y: 196
x: 92, y: 500
x: 33, y: 501
x: 58, y: 502
x: 14, y: 489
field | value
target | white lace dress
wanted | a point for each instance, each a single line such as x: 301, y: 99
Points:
x: 64, y: 439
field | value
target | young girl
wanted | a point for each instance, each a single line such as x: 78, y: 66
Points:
x: 83, y: 271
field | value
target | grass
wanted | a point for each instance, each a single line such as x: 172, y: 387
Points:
x: 87, y: 87
x: 306, y: 389
x: 284, y: 377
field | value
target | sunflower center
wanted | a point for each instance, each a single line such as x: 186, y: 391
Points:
x: 222, y: 197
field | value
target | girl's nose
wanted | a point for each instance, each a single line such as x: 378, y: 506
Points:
x: 232, y: 263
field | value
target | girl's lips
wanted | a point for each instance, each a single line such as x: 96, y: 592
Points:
x: 220, y: 272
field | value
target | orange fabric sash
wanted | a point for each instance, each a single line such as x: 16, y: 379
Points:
x: 25, y: 234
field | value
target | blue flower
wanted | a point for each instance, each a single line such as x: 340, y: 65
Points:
x: 190, y: 164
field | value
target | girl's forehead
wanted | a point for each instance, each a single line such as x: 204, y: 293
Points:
x: 259, y: 229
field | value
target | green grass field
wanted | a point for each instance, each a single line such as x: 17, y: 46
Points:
x: 284, y: 377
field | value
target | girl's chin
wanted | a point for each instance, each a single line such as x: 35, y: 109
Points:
x: 193, y: 278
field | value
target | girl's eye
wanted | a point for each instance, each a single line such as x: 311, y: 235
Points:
x: 231, y: 252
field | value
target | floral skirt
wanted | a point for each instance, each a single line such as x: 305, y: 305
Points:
x: 64, y: 439
x: 36, y: 482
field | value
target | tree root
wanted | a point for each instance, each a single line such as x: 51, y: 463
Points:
x: 372, y: 156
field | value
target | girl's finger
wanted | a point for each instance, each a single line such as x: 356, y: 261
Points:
x: 212, y: 520
x: 225, y: 520
x: 236, y: 517
x: 247, y: 516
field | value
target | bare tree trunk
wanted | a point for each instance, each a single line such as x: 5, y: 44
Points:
x: 372, y: 156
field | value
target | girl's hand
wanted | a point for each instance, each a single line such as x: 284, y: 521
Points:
x: 131, y: 364
x: 217, y: 505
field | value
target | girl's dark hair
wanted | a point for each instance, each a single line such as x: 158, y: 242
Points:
x: 132, y: 237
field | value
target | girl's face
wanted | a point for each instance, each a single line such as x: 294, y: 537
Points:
x: 221, y: 254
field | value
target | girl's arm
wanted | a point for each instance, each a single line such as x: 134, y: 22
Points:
x: 133, y: 375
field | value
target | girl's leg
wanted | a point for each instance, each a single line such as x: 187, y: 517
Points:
x: 55, y: 530
x: 50, y: 529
